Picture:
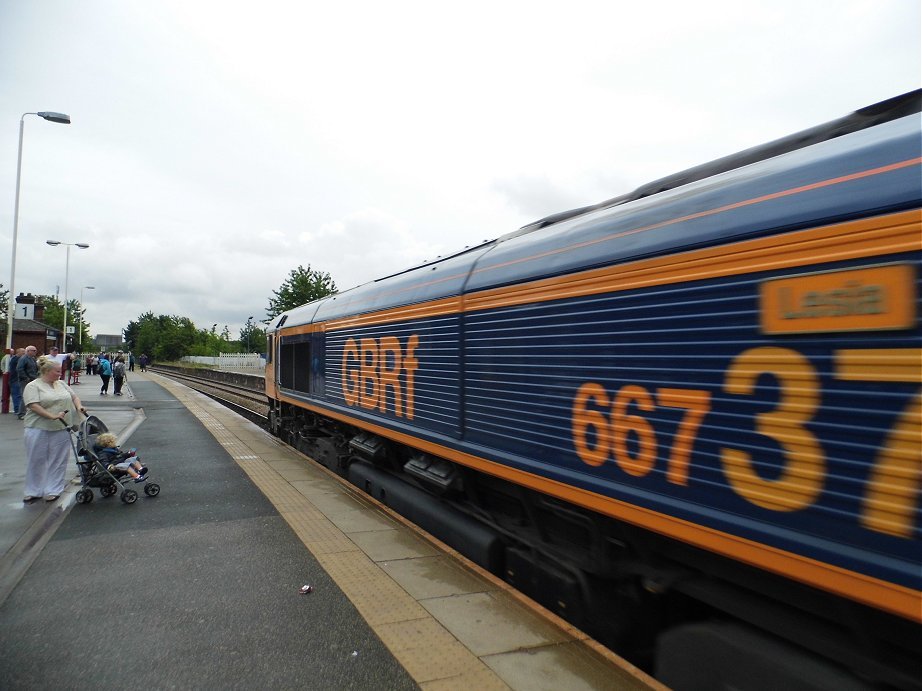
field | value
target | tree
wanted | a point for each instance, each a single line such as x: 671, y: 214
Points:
x: 54, y: 310
x: 54, y: 316
x: 146, y: 340
x: 301, y: 286
x: 167, y: 337
x: 5, y: 298
x: 130, y: 335
x: 252, y: 337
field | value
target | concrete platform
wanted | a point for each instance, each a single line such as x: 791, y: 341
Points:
x: 448, y: 623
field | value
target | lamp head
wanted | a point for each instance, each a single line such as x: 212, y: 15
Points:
x: 53, y: 243
x: 81, y: 245
x: 62, y: 118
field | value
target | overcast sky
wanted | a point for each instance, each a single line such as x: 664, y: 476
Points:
x: 215, y: 146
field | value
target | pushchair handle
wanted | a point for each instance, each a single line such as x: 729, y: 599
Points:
x: 66, y: 426
x: 81, y: 409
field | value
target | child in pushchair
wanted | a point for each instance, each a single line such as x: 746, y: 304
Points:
x: 103, y: 465
x: 106, y: 448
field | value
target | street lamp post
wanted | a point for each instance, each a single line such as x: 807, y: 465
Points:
x: 11, y: 307
x: 83, y: 246
x: 249, y: 333
x: 80, y: 336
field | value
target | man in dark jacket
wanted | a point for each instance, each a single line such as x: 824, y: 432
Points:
x: 26, y: 371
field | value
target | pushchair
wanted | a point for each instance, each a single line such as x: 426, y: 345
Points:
x: 95, y: 473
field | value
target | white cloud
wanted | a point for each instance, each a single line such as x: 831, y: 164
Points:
x: 215, y: 146
x: 536, y: 196
x: 365, y: 245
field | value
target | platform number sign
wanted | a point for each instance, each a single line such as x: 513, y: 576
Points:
x: 26, y: 311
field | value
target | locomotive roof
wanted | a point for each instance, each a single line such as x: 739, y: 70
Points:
x: 879, y: 113
x: 612, y: 230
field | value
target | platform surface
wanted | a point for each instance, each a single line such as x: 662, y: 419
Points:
x: 214, y: 566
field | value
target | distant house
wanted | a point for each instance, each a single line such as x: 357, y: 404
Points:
x: 28, y: 327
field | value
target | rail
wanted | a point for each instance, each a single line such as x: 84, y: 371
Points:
x: 246, y: 398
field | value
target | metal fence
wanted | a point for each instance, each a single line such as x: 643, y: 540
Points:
x: 253, y: 361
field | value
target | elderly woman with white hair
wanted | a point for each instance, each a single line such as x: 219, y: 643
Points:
x: 51, y: 407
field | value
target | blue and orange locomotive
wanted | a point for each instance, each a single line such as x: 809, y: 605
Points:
x: 687, y: 419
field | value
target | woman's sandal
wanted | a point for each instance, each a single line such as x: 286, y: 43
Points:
x: 52, y: 497
x: 30, y: 500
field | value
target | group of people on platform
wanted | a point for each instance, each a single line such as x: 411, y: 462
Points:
x: 22, y: 365
x: 49, y: 406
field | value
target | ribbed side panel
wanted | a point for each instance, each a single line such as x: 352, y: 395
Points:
x: 426, y: 369
x: 672, y: 399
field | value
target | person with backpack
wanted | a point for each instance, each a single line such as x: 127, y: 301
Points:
x: 118, y: 371
x: 105, y: 373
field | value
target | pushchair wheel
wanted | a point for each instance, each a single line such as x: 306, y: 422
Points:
x: 151, y: 489
x: 108, y: 490
x: 84, y: 496
x: 129, y: 496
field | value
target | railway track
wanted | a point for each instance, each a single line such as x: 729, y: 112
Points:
x: 246, y: 400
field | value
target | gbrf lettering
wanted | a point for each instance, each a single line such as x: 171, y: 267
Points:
x: 373, y: 366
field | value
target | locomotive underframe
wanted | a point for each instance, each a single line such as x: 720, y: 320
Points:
x: 652, y: 599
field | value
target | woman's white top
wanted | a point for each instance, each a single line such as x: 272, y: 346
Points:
x: 56, y: 397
